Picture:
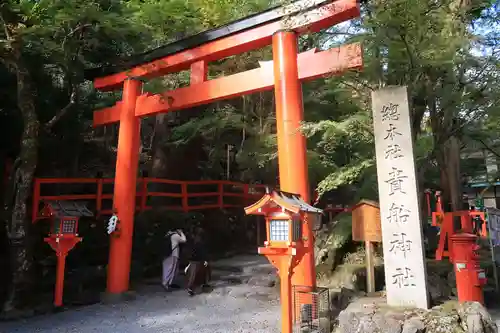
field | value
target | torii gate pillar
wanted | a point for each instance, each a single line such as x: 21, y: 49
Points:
x: 292, y: 150
x: 127, y: 163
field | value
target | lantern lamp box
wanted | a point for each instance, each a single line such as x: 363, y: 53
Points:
x: 284, y: 213
x: 366, y: 223
x: 64, y: 216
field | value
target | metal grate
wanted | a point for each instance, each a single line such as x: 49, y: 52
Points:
x: 69, y: 227
x: 316, y: 221
x: 278, y: 230
x: 312, y: 311
x: 297, y: 229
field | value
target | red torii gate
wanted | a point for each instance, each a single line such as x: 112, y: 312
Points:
x: 278, y: 26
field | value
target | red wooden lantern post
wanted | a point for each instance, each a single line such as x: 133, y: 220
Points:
x: 63, y: 236
x: 61, y: 244
x: 285, y: 216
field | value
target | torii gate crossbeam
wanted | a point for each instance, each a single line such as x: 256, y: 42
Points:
x: 279, y: 27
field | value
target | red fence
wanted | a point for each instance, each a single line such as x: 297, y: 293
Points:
x: 101, y: 193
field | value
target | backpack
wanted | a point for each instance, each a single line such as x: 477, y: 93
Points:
x: 168, y: 245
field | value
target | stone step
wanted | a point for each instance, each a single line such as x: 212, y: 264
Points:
x: 242, y: 264
x: 262, y: 278
x: 258, y: 269
x: 253, y: 270
x: 226, y: 268
x: 231, y: 278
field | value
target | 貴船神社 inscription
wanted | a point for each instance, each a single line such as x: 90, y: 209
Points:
x: 404, y: 262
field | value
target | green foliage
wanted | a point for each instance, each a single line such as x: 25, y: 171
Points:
x: 430, y: 47
x: 57, y: 40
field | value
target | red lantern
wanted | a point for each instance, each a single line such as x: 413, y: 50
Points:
x: 64, y: 217
x: 286, y: 215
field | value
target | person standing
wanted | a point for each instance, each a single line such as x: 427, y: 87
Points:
x: 198, y: 270
x: 171, y: 260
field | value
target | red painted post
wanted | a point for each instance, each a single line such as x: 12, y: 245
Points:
x: 36, y: 200
x: 220, y: 190
x: 470, y: 278
x: 439, y: 203
x: 61, y: 265
x: 246, y: 191
x: 61, y: 244
x: 199, y: 72
x: 428, y: 201
x: 446, y: 231
x: 184, y: 192
x: 144, y: 194
x: 285, y: 295
x: 124, y: 200
x: 292, y: 159
x: 98, y: 199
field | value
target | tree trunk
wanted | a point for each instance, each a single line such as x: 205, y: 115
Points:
x: 449, y: 165
x: 17, y: 229
x: 159, y: 167
x: 418, y: 108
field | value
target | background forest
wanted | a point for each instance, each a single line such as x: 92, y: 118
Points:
x: 446, y: 52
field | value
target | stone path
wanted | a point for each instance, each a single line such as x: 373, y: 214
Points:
x: 231, y: 307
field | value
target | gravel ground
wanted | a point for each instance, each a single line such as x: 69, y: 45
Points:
x: 228, y: 308
x: 231, y: 309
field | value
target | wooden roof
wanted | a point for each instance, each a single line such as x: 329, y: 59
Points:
x: 68, y: 208
x: 289, y: 201
x: 365, y: 202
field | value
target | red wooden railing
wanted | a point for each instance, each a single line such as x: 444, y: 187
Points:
x: 247, y: 193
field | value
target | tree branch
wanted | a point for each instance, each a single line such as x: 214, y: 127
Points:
x: 488, y: 148
x: 339, y: 33
x: 78, y: 28
x: 352, y: 86
x: 73, y: 89
x: 411, y: 57
x: 72, y: 100
x: 8, y: 35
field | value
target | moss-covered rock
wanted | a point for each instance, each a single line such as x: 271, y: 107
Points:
x: 373, y: 316
x: 332, y: 243
x: 340, y: 262
x: 440, y: 280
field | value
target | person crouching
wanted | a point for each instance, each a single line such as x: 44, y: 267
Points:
x: 198, y: 270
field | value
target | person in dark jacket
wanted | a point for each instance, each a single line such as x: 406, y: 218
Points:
x: 198, y: 270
